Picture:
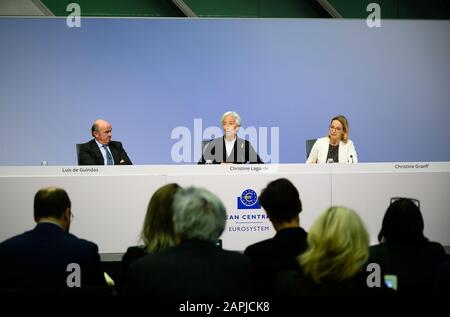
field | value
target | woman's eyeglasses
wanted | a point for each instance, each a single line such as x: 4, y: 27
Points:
x: 415, y: 201
x: 336, y: 129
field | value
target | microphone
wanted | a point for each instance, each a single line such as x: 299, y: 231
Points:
x: 351, y: 156
x: 208, y: 158
x: 204, y: 149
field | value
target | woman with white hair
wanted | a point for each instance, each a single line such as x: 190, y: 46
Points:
x: 229, y: 148
x: 196, y: 266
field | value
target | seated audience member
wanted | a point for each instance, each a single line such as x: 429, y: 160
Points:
x: 229, y: 148
x: 281, y: 201
x: 195, y: 267
x: 404, y: 251
x: 101, y: 150
x: 336, y: 147
x: 39, y: 259
x: 334, y: 262
x: 158, y: 231
x: 443, y: 279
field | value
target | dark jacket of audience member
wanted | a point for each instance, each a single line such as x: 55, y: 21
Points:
x: 39, y: 259
x: 334, y: 263
x: 195, y: 267
x: 443, y: 278
x: 281, y: 201
x: 404, y: 251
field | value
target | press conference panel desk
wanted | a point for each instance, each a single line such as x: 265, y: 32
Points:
x: 109, y: 202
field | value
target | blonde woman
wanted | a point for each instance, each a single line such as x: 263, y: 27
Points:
x: 336, y: 147
x: 334, y: 263
x: 338, y: 246
x: 158, y: 229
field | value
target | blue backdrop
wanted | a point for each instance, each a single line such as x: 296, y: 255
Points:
x: 150, y: 76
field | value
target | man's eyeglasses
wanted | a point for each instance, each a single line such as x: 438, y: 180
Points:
x: 415, y: 201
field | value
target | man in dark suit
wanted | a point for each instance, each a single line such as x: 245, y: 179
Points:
x: 49, y: 257
x: 195, y: 267
x: 101, y: 150
x: 281, y: 201
x: 229, y: 148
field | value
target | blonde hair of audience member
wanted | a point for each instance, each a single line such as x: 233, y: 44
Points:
x: 345, y: 131
x: 338, y: 246
x: 158, y: 231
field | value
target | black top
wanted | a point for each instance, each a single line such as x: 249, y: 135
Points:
x: 90, y: 154
x: 296, y: 284
x: 132, y: 254
x: 39, y: 258
x: 276, y: 254
x: 333, y: 153
x: 190, y: 269
x: 416, y: 265
x: 242, y: 152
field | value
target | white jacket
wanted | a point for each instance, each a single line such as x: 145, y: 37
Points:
x: 319, y: 152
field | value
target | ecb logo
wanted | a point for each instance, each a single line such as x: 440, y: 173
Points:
x: 248, y: 200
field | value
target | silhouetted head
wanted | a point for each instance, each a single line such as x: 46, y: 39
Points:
x: 52, y: 203
x: 402, y: 223
x: 281, y: 200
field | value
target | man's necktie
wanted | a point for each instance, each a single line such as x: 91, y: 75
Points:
x: 109, y: 160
